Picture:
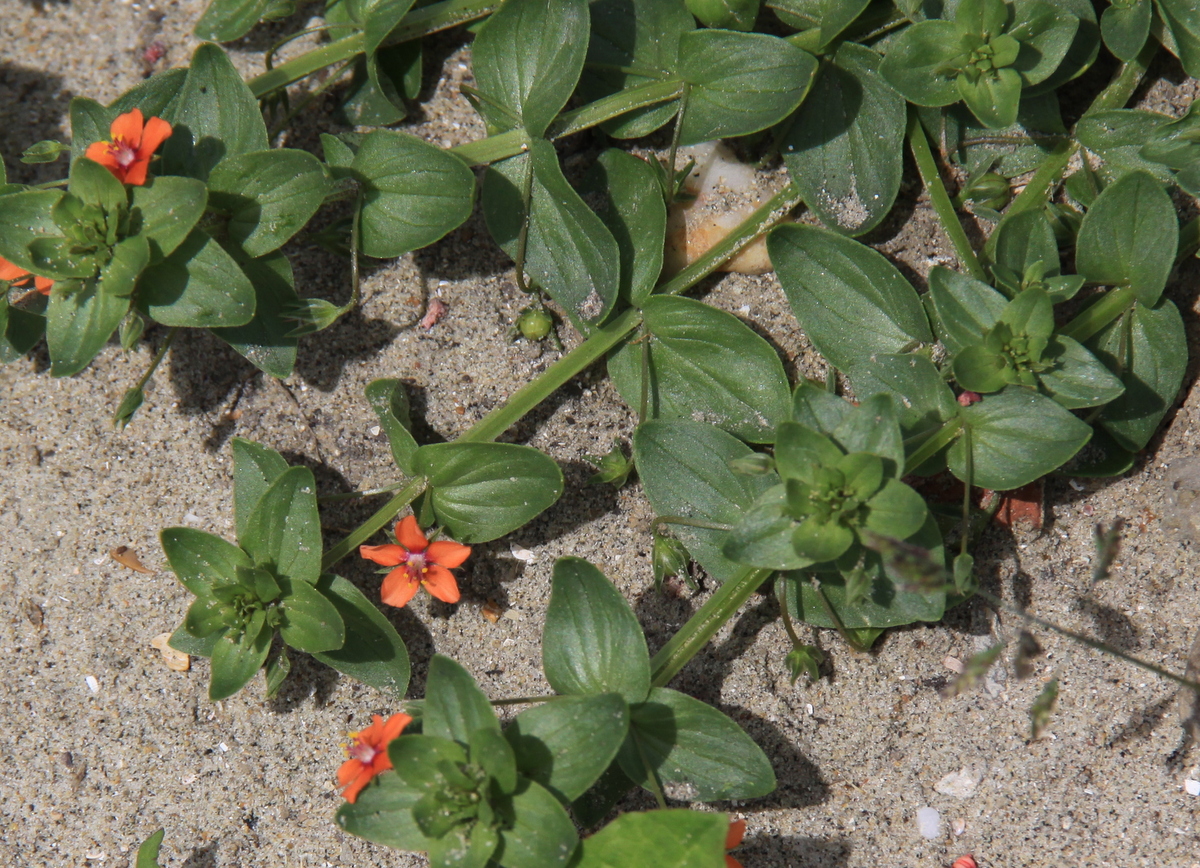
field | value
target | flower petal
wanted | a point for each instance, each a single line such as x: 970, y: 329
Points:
x: 394, y: 726
x: 447, y: 553
x: 136, y: 173
x: 730, y: 862
x: 737, y: 831
x: 398, y: 588
x: 8, y: 271
x: 156, y: 132
x: 101, y: 152
x: 349, y: 770
x: 386, y: 555
x: 128, y: 127
x: 356, y: 786
x: 440, y: 582
x: 43, y: 284
x: 408, y: 534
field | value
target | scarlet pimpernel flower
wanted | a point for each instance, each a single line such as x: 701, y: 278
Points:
x: 367, y: 752
x: 737, y: 831
x: 134, y: 142
x: 417, y: 562
x: 20, y: 277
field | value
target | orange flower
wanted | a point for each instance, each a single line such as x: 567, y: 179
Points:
x: 133, y: 144
x: 417, y: 562
x: 21, y: 277
x: 737, y: 831
x: 368, y: 753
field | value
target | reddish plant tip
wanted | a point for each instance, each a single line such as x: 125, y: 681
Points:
x: 967, y: 861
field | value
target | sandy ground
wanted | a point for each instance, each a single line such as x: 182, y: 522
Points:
x: 105, y: 744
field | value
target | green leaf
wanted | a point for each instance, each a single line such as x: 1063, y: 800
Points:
x: 90, y: 122
x: 481, y: 491
x: 1120, y: 135
x: 182, y: 640
x: 168, y: 208
x: 199, y: 559
x: 874, y: 427
x: 455, y: 707
x: 372, y: 98
x: 154, y: 96
x: 1047, y: 32
x: 896, y: 511
x: 96, y: 185
x: 886, y: 604
x: 1182, y: 19
x: 234, y: 662
x: 684, y: 467
x: 380, y: 18
x: 1019, y: 243
x: 214, y: 117
x: 922, y: 398
x: 541, y: 835
x: 569, y: 251
x: 978, y: 369
x: 1125, y: 28
x: 695, y: 748
x: 565, y: 745
x: 527, y: 60
x: 198, y: 285
x: 25, y: 217
x: 922, y: 63
x: 227, y: 20
x: 413, y: 193
x: 704, y: 364
x: 594, y: 805
x: 993, y: 98
x: 628, y: 35
x: 389, y: 399
x: 382, y: 813
x: 851, y: 302
x: 283, y: 533
x: 844, y: 148
x: 269, y: 196
x: 635, y: 214
x: 764, y: 536
x: 1016, y: 437
x: 592, y: 642
x: 1148, y: 346
x: 1078, y: 379
x: 311, y: 623
x: 20, y: 330
x: 816, y: 408
x: 45, y: 151
x: 373, y: 652
x: 79, y: 321
x: 266, y: 341
x: 739, y: 83
x: 670, y: 838
x: 147, y: 854
x: 1129, y: 237
x: 495, y: 756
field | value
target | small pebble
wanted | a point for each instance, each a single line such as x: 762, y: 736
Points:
x: 1192, y: 787
x: 929, y: 822
x: 92, y: 683
x: 522, y: 554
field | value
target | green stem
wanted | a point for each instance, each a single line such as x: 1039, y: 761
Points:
x: 157, y: 360
x: 833, y: 616
x: 354, y: 495
x: 937, y: 441
x: 764, y: 217
x: 688, y: 522
x: 781, y: 592
x: 703, y: 625
x: 1125, y: 82
x: 1094, y: 318
x: 1189, y: 241
x: 414, y: 25
x: 514, y: 142
x: 940, y: 199
x: 1088, y: 641
x: 376, y: 522
x: 576, y: 361
x: 1037, y: 191
x: 524, y: 700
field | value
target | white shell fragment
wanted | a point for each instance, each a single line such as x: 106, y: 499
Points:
x: 1191, y: 787
x: 929, y: 822
x: 522, y: 554
x: 176, y: 661
x: 92, y: 683
x: 960, y: 784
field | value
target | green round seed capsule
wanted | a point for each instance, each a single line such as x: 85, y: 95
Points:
x: 534, y: 323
